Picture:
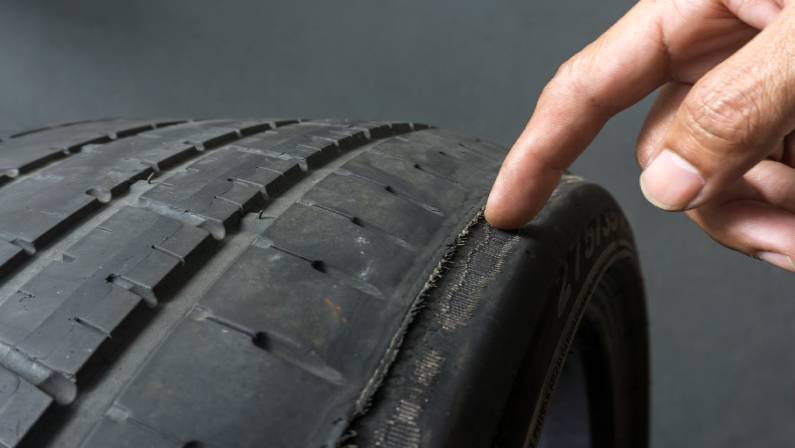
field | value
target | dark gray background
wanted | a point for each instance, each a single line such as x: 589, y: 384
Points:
x: 721, y: 324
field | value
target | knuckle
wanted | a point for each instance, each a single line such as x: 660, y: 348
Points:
x: 575, y: 78
x: 726, y: 109
x: 565, y: 79
x: 572, y: 67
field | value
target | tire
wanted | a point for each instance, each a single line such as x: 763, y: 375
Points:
x: 290, y: 283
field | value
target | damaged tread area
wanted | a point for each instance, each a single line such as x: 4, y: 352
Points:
x: 399, y: 417
x: 334, y: 215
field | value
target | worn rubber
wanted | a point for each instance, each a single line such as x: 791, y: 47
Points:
x: 244, y: 283
x: 479, y: 365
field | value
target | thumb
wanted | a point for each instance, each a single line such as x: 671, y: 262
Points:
x: 732, y: 118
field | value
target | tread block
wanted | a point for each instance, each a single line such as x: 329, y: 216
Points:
x: 78, y: 186
x: 184, y: 244
x: 76, y: 303
x: 165, y: 148
x: 251, y: 126
x: 407, y: 182
x: 171, y: 254
x: 111, y: 237
x: 273, y: 180
x: 62, y: 343
x: 257, y: 397
x: 34, y: 218
x: 342, y: 137
x: 42, y: 296
x: 148, y: 276
x: 207, y: 187
x: 235, y: 179
x: 21, y: 404
x: 339, y: 244
x: 21, y: 154
x: 79, y: 326
x: 462, y: 143
x: 244, y: 195
x: 305, y: 141
x: 376, y: 129
x: 375, y: 207
x: 445, y: 164
x: 197, y: 177
x: 196, y: 132
x: 106, y: 314
x: 300, y: 310
x: 314, y: 150
x: 159, y: 154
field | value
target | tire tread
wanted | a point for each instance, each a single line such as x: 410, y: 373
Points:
x: 172, y: 197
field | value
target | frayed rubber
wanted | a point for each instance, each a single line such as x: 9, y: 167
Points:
x: 364, y: 402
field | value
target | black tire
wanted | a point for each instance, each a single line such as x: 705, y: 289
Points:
x: 300, y: 283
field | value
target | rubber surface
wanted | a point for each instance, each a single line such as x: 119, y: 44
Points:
x: 217, y: 283
x: 479, y: 365
x: 289, y: 283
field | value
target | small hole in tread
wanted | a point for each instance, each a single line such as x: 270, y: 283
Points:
x: 260, y: 339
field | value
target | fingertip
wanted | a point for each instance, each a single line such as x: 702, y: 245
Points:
x: 499, y: 215
x: 504, y: 222
x: 779, y: 260
x: 512, y: 208
x: 519, y: 193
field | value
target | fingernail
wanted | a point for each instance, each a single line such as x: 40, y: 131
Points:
x: 782, y: 261
x: 671, y: 182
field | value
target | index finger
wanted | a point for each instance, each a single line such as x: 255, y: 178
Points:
x: 617, y: 70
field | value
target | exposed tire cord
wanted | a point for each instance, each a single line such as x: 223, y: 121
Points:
x: 257, y: 271
x: 479, y: 364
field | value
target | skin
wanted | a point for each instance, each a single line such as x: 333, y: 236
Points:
x: 718, y: 143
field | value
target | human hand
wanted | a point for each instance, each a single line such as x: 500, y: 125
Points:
x: 718, y: 142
